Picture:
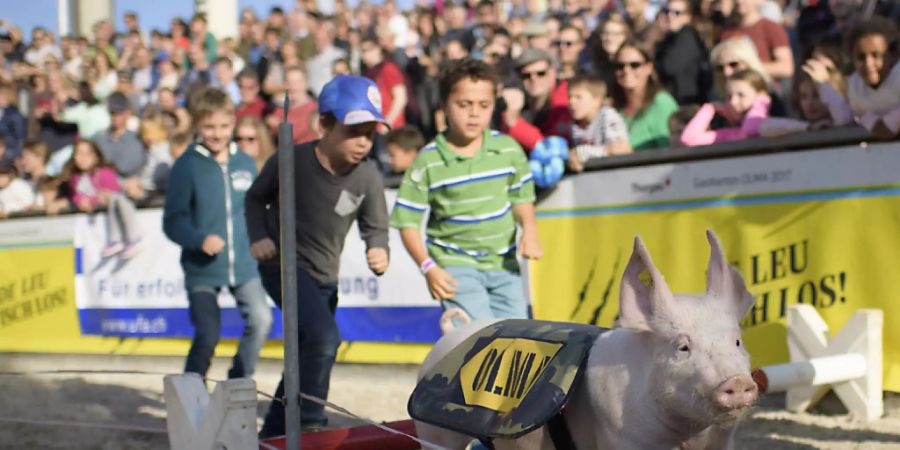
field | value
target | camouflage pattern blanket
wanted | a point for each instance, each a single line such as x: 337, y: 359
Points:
x: 505, y: 380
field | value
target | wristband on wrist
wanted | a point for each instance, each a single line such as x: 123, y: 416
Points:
x: 427, y: 265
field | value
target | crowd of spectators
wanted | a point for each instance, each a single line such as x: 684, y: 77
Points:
x: 610, y: 77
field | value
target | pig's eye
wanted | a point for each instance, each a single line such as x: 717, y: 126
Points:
x: 683, y: 345
x: 737, y: 342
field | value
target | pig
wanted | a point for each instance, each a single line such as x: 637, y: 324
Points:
x: 672, y: 374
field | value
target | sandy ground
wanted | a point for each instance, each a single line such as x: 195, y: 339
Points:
x: 76, y: 411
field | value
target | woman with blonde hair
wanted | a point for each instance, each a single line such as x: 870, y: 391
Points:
x: 733, y: 55
x: 736, y: 54
x: 252, y: 137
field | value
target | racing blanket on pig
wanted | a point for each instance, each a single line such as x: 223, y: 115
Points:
x: 505, y: 380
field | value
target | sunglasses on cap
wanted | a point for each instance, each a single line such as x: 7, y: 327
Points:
x: 632, y: 64
x: 533, y: 75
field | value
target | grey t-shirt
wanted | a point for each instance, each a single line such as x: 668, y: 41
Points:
x: 327, y: 205
x: 126, y: 152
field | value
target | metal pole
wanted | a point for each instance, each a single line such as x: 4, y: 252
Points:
x: 289, y: 311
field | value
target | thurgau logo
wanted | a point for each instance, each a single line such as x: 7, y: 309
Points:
x: 501, y: 374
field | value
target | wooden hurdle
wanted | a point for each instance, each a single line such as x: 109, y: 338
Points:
x: 850, y: 363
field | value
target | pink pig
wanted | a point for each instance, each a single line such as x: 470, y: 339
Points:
x: 673, y: 374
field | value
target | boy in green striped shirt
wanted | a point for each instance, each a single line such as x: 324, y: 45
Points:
x: 477, y: 185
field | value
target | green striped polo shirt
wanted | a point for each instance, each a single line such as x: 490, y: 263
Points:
x: 470, y: 200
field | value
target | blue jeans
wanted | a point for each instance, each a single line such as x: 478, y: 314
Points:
x: 319, y: 341
x: 206, y: 318
x: 486, y: 294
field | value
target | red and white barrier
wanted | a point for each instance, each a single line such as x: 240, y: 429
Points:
x: 366, y: 437
x: 850, y: 363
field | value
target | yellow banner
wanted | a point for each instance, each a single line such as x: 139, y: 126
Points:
x: 839, y: 255
x: 38, y: 314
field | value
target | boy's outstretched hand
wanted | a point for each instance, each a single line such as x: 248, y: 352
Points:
x: 530, y: 246
x: 263, y: 249
x: 378, y: 260
x: 441, y: 284
x: 212, y: 245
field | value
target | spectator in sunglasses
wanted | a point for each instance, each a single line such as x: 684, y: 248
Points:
x: 252, y: 137
x: 640, y: 98
x: 544, y: 109
x: 682, y: 60
x: 568, y: 50
x: 734, y: 55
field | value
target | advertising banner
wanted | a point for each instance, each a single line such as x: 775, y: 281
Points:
x: 816, y: 227
x: 144, y: 295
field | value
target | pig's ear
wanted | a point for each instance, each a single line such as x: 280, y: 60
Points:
x: 644, y: 293
x: 723, y: 280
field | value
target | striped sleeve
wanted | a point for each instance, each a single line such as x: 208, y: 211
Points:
x: 521, y: 185
x: 412, y: 197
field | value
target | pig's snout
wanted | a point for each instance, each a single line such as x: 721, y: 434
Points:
x: 736, y: 392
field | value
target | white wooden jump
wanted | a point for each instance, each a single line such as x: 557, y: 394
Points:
x: 850, y: 363
x: 199, y: 421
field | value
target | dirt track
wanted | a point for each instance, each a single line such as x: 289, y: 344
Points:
x: 378, y: 392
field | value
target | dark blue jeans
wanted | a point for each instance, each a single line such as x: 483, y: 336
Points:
x: 319, y: 341
x: 206, y: 318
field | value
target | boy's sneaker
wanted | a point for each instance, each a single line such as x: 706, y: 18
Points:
x: 131, y: 249
x: 111, y: 249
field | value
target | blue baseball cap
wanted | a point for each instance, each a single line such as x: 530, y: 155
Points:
x: 352, y: 100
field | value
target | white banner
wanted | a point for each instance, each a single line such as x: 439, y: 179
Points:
x: 153, y: 277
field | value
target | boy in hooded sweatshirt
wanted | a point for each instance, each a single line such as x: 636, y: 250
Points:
x: 204, y: 214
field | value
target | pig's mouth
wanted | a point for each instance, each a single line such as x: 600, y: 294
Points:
x: 731, y: 415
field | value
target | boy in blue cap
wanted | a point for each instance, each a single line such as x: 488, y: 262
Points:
x: 335, y: 185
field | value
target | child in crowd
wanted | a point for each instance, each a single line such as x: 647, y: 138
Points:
x: 204, y: 214
x: 402, y: 146
x: 815, y: 100
x: 478, y: 186
x: 94, y: 184
x: 746, y: 107
x: 336, y: 187
x: 155, y: 174
x: 678, y: 120
x: 34, y: 168
x: 874, y: 88
x: 15, y: 194
x: 597, y: 130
